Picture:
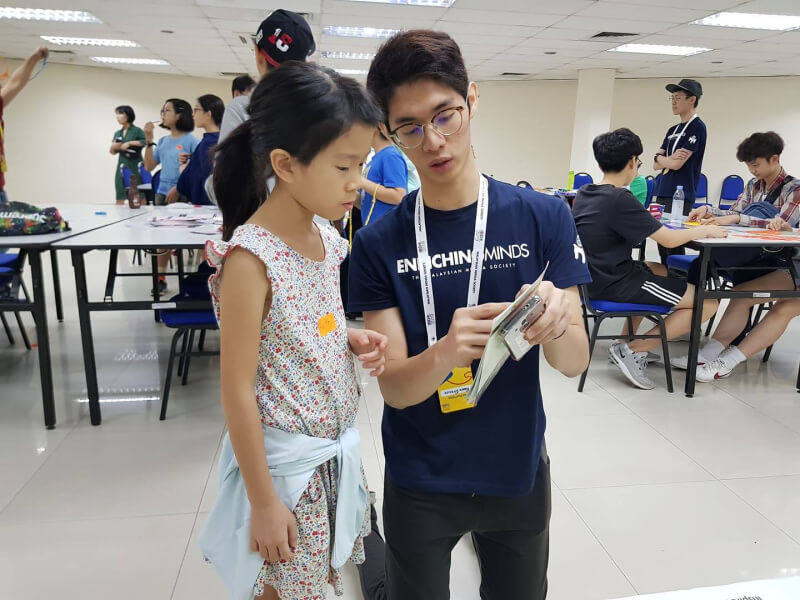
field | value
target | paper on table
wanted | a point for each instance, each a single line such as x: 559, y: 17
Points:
x: 496, y: 352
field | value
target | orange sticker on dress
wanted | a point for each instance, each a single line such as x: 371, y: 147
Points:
x: 327, y: 324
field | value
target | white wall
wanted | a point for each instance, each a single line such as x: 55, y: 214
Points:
x: 59, y: 129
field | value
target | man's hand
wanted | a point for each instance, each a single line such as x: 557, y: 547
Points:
x: 701, y: 212
x: 370, y: 348
x: 724, y: 220
x: 681, y: 154
x: 778, y: 224
x: 712, y: 231
x: 469, y: 332
x: 554, y: 319
x: 41, y: 53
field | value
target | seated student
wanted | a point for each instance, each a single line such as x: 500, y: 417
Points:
x: 638, y: 188
x: 611, y: 221
x: 770, y: 192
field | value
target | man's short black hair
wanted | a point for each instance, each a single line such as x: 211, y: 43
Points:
x: 413, y: 55
x: 127, y: 111
x: 614, y: 149
x: 242, y: 84
x: 760, y: 145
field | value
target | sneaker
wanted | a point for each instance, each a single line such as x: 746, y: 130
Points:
x: 682, y: 362
x: 632, y: 365
x: 162, y: 288
x: 719, y: 368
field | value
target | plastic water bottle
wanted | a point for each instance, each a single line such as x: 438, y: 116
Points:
x: 677, y: 206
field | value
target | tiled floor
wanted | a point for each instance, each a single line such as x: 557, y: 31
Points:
x: 652, y: 491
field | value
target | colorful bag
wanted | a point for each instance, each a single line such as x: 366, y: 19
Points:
x: 21, y: 218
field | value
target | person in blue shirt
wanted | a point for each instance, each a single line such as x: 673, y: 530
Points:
x: 171, y: 150
x: 481, y: 470
x: 385, y: 181
x: 207, y: 115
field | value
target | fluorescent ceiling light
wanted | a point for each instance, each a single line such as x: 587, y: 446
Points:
x: 115, y: 60
x: 73, y: 41
x: 751, y: 21
x: 41, y: 14
x: 348, y: 55
x: 352, y: 71
x: 659, y: 49
x: 364, y: 32
x: 437, y: 3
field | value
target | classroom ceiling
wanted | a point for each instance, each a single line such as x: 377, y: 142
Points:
x: 531, y: 39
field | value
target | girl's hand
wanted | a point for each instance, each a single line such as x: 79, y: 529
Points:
x: 172, y: 195
x: 778, y: 224
x: 273, y: 531
x: 148, y: 131
x: 124, y: 146
x: 370, y: 348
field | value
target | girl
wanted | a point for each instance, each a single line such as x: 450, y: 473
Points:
x: 207, y: 115
x: 292, y: 502
x: 128, y: 143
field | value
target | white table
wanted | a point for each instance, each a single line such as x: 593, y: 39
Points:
x: 738, y: 237
x: 766, y: 589
x: 133, y: 234
x: 81, y: 218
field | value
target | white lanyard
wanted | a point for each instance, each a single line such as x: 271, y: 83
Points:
x: 678, y: 137
x: 424, y: 259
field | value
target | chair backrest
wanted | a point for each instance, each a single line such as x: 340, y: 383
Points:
x: 649, y: 177
x: 702, y: 187
x: 126, y: 175
x: 581, y: 179
x: 651, y: 186
x: 524, y: 184
x: 156, y: 180
x: 144, y: 175
x: 657, y: 184
x: 732, y: 188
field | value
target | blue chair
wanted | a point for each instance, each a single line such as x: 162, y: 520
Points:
x: 524, y: 184
x: 702, y: 191
x: 145, y: 181
x: 186, y: 324
x: 581, y: 179
x: 600, y: 310
x: 651, y: 186
x: 732, y: 188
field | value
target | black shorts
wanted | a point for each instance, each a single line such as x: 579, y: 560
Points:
x: 645, y: 287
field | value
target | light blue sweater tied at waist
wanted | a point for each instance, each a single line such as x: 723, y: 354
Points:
x: 292, y: 458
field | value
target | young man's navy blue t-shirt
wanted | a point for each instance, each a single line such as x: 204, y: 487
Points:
x: 492, y: 449
x: 691, y: 137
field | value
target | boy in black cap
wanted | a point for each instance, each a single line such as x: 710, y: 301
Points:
x: 680, y: 157
x: 283, y: 35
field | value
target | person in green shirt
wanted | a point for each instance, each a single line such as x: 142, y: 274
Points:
x: 638, y: 188
x: 127, y: 143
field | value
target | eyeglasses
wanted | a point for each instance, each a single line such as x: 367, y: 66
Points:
x: 638, y: 163
x: 196, y: 108
x: 678, y: 97
x: 445, y: 122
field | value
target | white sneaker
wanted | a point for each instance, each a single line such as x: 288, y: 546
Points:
x: 719, y: 368
x: 682, y: 363
x: 632, y: 365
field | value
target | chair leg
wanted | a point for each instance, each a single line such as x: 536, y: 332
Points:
x: 188, y: 358
x: 767, y: 354
x: 592, y: 340
x: 9, y: 335
x: 182, y: 357
x: 797, y: 385
x: 168, y: 379
x: 202, y: 343
x: 22, y: 331
x: 631, y: 332
x: 710, y: 325
x: 665, y: 348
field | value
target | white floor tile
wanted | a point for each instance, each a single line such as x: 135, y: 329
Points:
x: 777, y: 498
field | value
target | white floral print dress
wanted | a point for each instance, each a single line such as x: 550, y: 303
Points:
x: 306, y: 383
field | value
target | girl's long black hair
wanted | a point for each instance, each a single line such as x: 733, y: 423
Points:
x: 300, y: 108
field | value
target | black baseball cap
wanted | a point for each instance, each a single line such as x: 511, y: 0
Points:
x: 284, y: 35
x: 690, y: 86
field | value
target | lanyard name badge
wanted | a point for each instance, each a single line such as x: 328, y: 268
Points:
x: 454, y: 391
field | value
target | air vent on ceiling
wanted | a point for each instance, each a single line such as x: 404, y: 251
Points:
x: 613, y: 34
x: 510, y: 74
x: 230, y: 73
x: 54, y: 51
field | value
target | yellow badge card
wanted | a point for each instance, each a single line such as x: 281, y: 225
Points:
x: 454, y: 392
x: 327, y: 324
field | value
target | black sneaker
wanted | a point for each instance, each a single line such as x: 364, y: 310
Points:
x: 162, y: 288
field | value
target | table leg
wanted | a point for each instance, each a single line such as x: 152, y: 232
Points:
x: 697, y: 321
x: 87, y: 340
x: 156, y: 295
x: 57, y: 284
x: 112, y: 275
x: 42, y: 338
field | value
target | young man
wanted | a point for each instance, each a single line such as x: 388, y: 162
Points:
x: 448, y: 264
x: 10, y: 90
x: 680, y: 157
x: 611, y: 222
x: 242, y: 86
x: 283, y: 35
x: 780, y: 195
